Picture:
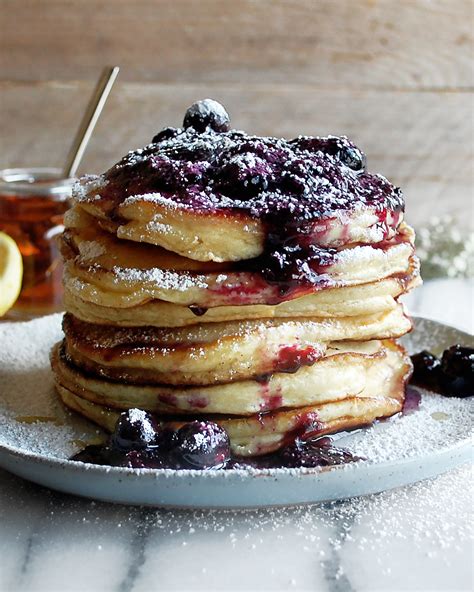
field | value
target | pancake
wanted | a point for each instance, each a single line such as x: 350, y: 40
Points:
x: 365, y: 299
x: 257, y: 435
x: 217, y: 196
x: 199, y: 235
x: 366, y: 369
x: 216, y: 352
x: 103, y: 270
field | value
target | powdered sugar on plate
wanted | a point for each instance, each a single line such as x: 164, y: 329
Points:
x: 438, y: 422
x: 31, y: 417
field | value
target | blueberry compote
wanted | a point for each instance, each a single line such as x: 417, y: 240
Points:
x: 315, y: 452
x: 139, y: 441
x: 451, y: 376
x: 296, y: 188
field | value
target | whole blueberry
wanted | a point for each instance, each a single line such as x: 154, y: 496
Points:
x: 457, y: 366
x: 201, y: 445
x: 244, y: 176
x: 426, y: 369
x: 340, y: 147
x: 135, y: 429
x: 254, y: 184
x: 458, y: 360
x: 293, y: 183
x: 166, y: 134
x: 207, y: 115
x: 353, y: 158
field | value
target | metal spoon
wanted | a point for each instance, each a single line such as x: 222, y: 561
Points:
x: 89, y: 120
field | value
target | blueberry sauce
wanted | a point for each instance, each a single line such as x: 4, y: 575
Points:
x: 297, y: 188
x: 412, y: 400
x: 199, y: 311
x: 291, y: 358
x: 315, y: 452
x: 452, y: 376
x: 270, y: 402
x: 204, y: 445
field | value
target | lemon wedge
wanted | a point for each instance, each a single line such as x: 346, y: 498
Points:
x: 11, y: 272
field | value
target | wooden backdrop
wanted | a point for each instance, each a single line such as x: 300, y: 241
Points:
x: 395, y: 75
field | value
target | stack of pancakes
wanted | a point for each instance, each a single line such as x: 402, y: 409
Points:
x: 168, y: 309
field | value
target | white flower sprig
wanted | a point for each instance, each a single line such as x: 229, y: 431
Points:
x: 445, y: 250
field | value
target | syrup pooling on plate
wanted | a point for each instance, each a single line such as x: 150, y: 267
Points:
x: 304, y: 191
x: 139, y: 441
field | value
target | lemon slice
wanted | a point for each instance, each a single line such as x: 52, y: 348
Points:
x: 11, y: 272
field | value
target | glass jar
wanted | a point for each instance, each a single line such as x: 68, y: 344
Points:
x: 32, y: 206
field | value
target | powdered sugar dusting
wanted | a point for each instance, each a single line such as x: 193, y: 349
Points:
x: 156, y: 226
x: 87, y: 188
x: 165, y: 279
x: 152, y: 197
x: 205, y: 170
x: 419, y: 433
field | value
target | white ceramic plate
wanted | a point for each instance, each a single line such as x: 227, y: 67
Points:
x: 405, y: 449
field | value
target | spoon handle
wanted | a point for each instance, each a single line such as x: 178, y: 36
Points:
x: 89, y: 120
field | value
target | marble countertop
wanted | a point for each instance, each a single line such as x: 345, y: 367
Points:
x: 414, y: 538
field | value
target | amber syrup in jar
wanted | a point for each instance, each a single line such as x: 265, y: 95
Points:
x: 32, y: 205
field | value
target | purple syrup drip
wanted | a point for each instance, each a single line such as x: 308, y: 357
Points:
x: 317, y: 452
x: 199, y: 311
x: 412, y: 401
